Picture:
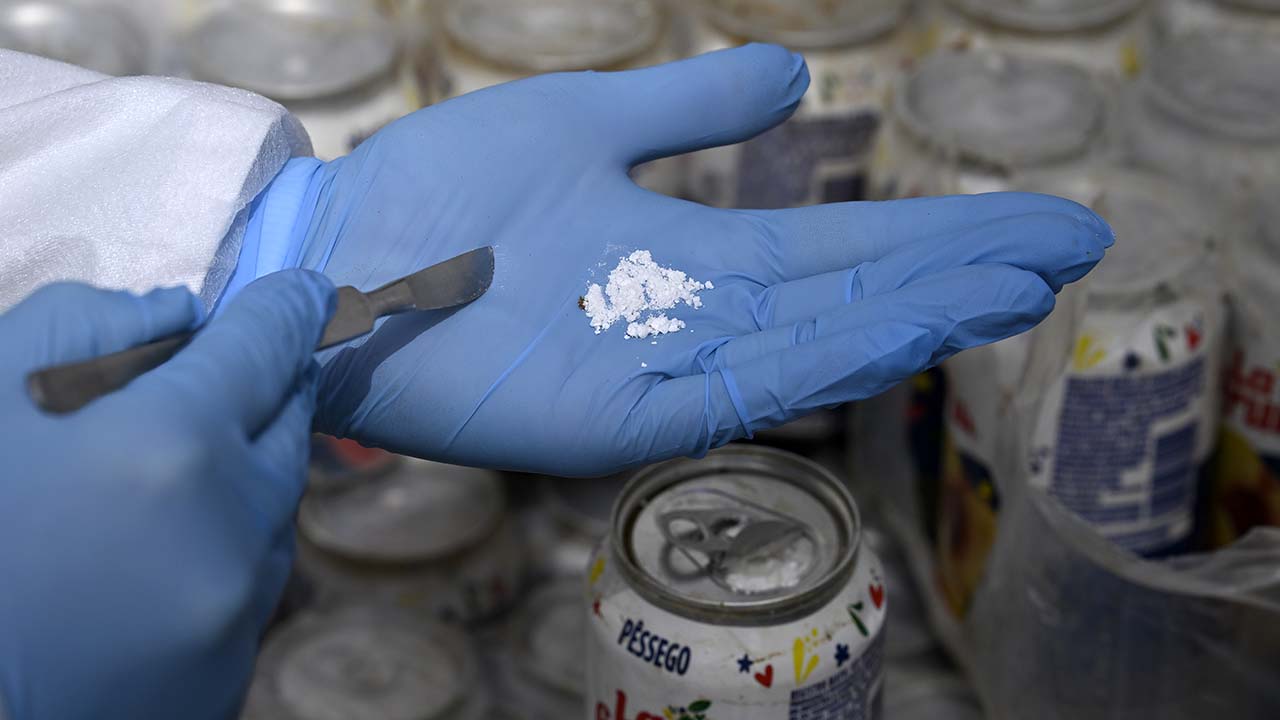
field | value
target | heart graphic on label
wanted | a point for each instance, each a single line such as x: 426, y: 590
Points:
x: 877, y: 595
x: 765, y: 678
x: 1193, y: 337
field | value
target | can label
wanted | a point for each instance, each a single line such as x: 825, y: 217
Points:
x: 1131, y: 423
x: 1246, y: 470
x: 645, y: 663
x: 819, y: 155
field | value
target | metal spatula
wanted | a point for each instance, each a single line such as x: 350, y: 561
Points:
x: 458, y: 281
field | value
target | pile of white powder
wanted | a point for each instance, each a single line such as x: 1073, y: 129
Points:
x: 639, y: 285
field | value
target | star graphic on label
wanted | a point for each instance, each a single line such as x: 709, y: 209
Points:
x: 744, y: 664
x: 842, y: 655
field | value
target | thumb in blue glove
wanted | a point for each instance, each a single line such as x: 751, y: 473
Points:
x: 145, y: 539
x: 811, y: 307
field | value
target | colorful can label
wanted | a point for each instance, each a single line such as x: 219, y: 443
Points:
x: 1245, y: 489
x: 1131, y: 423
x: 678, y: 628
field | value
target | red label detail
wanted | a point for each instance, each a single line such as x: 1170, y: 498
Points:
x: 964, y: 419
x: 620, y: 710
x: 1250, y: 395
x: 1193, y: 337
x: 877, y: 595
x: 765, y: 678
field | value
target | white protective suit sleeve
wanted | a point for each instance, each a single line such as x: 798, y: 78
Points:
x: 129, y: 183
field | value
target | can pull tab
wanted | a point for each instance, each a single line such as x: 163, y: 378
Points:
x: 725, y: 534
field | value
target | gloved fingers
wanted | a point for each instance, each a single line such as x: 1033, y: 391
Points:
x: 1057, y: 238
x: 246, y: 363
x: 714, y: 99
x: 1056, y: 248
x: 284, y: 447
x: 692, y: 414
x: 70, y: 322
x: 960, y: 308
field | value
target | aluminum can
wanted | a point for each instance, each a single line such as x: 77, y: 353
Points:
x: 98, y: 37
x: 1171, y: 20
x: 488, y: 42
x: 539, y: 664
x: 854, y: 48
x: 735, y: 586
x: 968, y: 121
x: 1102, y: 36
x: 574, y: 514
x: 1127, y: 429
x: 1205, y: 112
x: 430, y: 537
x: 335, y: 64
x: 369, y: 662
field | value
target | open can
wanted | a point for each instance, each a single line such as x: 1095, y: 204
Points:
x: 430, y: 537
x: 735, y: 586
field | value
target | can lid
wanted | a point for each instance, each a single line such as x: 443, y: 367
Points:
x: 99, y: 38
x: 293, y: 49
x: 1227, y: 82
x: 1048, y: 16
x: 1001, y: 109
x: 807, y: 24
x: 1163, y: 230
x: 421, y: 511
x: 554, y: 35
x: 368, y: 662
x: 553, y: 614
x: 745, y: 535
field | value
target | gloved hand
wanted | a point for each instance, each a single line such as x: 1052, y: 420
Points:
x: 145, y: 539
x: 811, y: 307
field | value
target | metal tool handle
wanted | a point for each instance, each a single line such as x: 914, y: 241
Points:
x: 66, y: 388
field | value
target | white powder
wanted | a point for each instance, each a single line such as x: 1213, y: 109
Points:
x: 771, y: 572
x: 644, y: 365
x: 638, y: 285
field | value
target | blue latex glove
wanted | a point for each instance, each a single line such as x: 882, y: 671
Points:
x: 145, y: 539
x: 811, y: 307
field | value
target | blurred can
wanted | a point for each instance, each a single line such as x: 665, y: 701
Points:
x: 540, y: 664
x: 99, y: 37
x: 430, y: 537
x: 1205, y: 112
x: 1127, y: 430
x: 368, y: 662
x: 335, y: 64
x: 1171, y: 20
x: 488, y: 42
x: 1245, y: 485
x: 966, y: 122
x: 575, y: 514
x: 854, y: 50
x: 1102, y: 36
x: 735, y: 586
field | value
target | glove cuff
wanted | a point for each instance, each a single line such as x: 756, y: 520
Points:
x: 277, y: 226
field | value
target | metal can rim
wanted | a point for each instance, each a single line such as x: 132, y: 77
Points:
x: 1012, y: 17
x: 1166, y: 99
x: 819, y: 481
x: 615, y: 56
x: 835, y: 36
x: 1065, y: 147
